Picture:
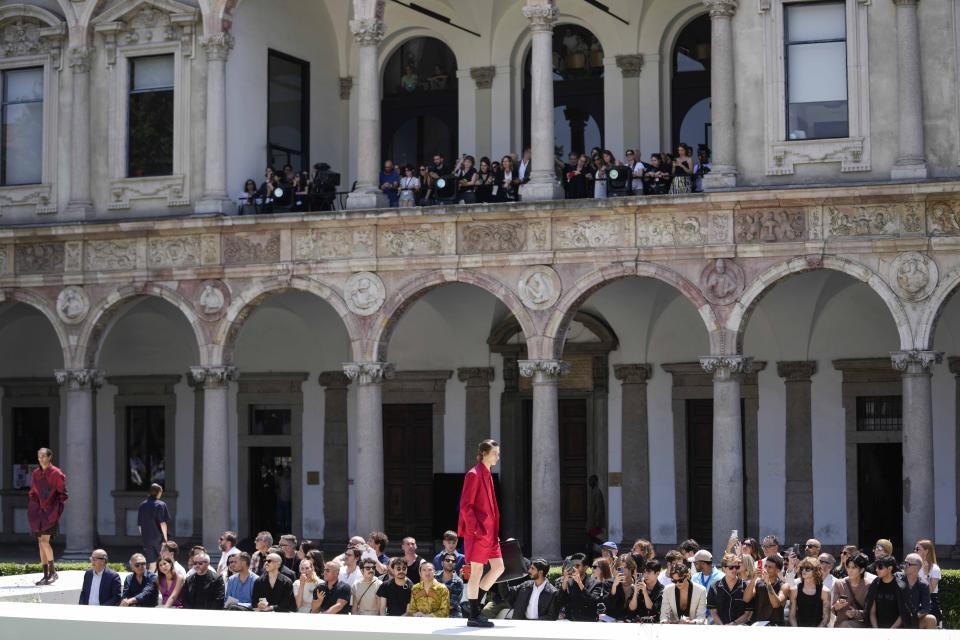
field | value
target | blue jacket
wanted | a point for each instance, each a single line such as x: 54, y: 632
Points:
x: 145, y: 592
x: 109, y: 587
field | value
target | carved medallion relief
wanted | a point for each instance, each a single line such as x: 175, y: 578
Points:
x: 914, y: 276
x: 364, y: 293
x: 722, y: 281
x: 213, y: 297
x: 539, y: 288
x: 73, y: 305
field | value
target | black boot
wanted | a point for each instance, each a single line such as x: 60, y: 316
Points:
x: 483, y: 596
x: 53, y: 573
x: 477, y: 619
x: 46, y: 576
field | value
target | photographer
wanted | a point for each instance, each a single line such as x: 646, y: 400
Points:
x: 579, y: 593
x: 248, y: 202
x: 647, y: 598
x: 323, y: 188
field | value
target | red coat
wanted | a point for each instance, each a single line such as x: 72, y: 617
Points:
x: 48, y: 493
x: 479, y: 524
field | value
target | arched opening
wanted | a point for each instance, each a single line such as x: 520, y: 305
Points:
x: 690, y: 85
x: 578, y: 114
x: 419, y: 102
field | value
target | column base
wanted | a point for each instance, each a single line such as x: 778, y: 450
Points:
x: 538, y: 191
x: 215, y: 204
x: 367, y: 200
x: 720, y: 177
x: 909, y: 170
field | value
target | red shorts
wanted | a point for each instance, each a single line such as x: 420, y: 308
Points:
x: 476, y: 550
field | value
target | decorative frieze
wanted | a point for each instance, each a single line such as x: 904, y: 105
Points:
x: 944, y: 218
x: 539, y: 287
x: 34, y: 195
x: 914, y: 276
x: 111, y: 255
x: 38, y: 257
x: 25, y: 36
x: 668, y: 230
x: 771, y: 225
x: 593, y: 233
x: 73, y: 256
x: 209, y: 249
x: 422, y: 240
x: 326, y: 244
x: 493, y: 237
x: 364, y: 293
x: 176, y: 252
x: 862, y: 220
x: 251, y: 248
x: 171, y: 188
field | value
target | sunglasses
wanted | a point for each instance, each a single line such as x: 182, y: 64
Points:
x: 268, y: 561
x: 679, y: 581
x: 731, y: 566
x: 918, y: 548
x: 806, y: 569
x: 811, y: 546
x: 206, y: 561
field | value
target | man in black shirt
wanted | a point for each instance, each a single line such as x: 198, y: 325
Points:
x: 333, y: 594
x: 273, y: 591
x: 396, y: 590
x: 153, y: 518
x: 288, y: 544
x: 413, y: 561
x: 725, y: 597
x: 204, y: 589
x: 284, y: 565
x: 648, y: 592
x: 579, y: 593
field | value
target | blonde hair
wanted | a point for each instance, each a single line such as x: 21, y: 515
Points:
x: 748, y: 561
x: 931, y: 558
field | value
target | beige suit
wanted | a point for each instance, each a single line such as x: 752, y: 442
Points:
x: 698, y: 604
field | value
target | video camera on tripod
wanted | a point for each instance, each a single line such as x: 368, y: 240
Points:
x: 324, y: 189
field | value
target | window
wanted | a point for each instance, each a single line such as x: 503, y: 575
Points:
x: 269, y: 421
x: 22, y: 161
x: 816, y: 70
x: 150, y: 141
x: 146, y: 447
x: 288, y: 111
x: 879, y: 413
x: 31, y: 431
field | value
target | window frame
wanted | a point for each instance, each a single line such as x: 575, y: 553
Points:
x: 132, y: 65
x: 3, y: 123
x: 304, y: 111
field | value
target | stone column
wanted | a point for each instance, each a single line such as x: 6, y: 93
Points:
x: 634, y: 450
x: 79, y: 461
x: 545, y: 467
x: 918, y: 487
x: 798, y: 520
x: 368, y: 477
x: 954, y: 363
x: 368, y: 33
x: 215, y: 198
x: 215, y: 477
x: 477, y: 419
x: 543, y: 183
x: 728, y: 507
x: 335, y: 471
x: 910, y: 163
x: 81, y: 203
x: 722, y: 96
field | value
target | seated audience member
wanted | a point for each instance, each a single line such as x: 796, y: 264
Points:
x: 305, y: 585
x: 673, y: 557
x: 355, y: 542
x: 169, y: 550
x: 450, y: 540
x: 377, y: 543
x: 366, y: 602
x: 726, y: 600
x: 228, y: 545
x: 448, y: 576
x: 827, y: 563
x: 919, y: 601
x: 350, y: 570
x: 930, y: 573
x: 409, y: 546
x: 303, y: 551
x: 204, y: 589
x: 647, y: 599
x: 239, y: 595
x: 273, y: 591
x: 284, y: 569
x: 812, y: 548
x: 809, y: 600
x: 706, y: 574
x: 288, y: 546
x: 429, y: 598
x: 617, y: 601
x: 140, y: 587
x: 882, y: 549
x: 535, y: 599
x: 609, y: 551
x: 683, y: 601
x: 644, y: 550
x: 101, y: 584
x: 770, y: 593
x: 169, y: 584
x: 896, y: 601
x: 332, y: 595
x: 262, y: 542
x: 849, y: 594
x: 395, y: 589
x: 579, y: 593
x: 769, y: 546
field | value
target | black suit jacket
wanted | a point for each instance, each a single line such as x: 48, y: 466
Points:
x: 548, y: 607
x: 109, y: 588
x: 203, y: 592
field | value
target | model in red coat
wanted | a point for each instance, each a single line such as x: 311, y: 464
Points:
x: 479, y: 527
x: 48, y: 492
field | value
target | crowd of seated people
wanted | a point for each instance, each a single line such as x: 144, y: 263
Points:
x: 756, y: 583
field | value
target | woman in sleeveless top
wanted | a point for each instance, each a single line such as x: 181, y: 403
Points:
x: 809, y: 601
x: 169, y: 584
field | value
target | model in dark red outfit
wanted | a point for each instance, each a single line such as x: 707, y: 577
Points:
x: 479, y: 527
x: 48, y: 493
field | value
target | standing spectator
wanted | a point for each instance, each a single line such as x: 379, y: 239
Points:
x: 849, y: 595
x: 727, y: 601
x: 262, y: 542
x: 689, y: 549
x: 140, y: 586
x: 228, y: 545
x: 239, y: 593
x: 599, y: 177
x: 450, y: 540
x: 748, y: 570
x: 273, y: 591
x: 425, y: 195
x: 396, y: 591
x: 706, y: 574
x: 390, y: 182
x: 486, y: 181
x: 535, y: 599
x: 809, y: 601
x: 288, y: 545
x: 701, y: 167
x: 204, y: 589
x: 248, y: 201
x: 452, y: 582
x: 609, y: 551
x: 579, y: 593
x: 332, y: 595
x: 523, y: 170
x: 467, y: 179
x: 682, y: 170
x: 305, y: 585
x: 169, y: 551
x: 508, y: 182
x: 409, y: 546
x: 636, y: 170
x: 770, y: 545
x: 597, y: 517
x: 683, y: 601
x: 771, y: 593
x: 656, y: 177
x: 930, y: 573
x: 812, y: 548
x: 301, y: 191
x: 409, y: 186
x: 366, y: 602
x: 647, y: 597
x: 350, y: 571
x: 579, y: 179
x: 429, y: 598
x: 45, y: 500
x: 643, y: 550
x: 153, y: 518
x: 101, y: 584
x: 169, y: 584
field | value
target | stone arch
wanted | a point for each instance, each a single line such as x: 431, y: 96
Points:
x: 419, y: 285
x: 37, y: 302
x: 740, y: 314
x: 108, y: 310
x: 225, y: 338
x: 574, y: 297
x: 395, y: 39
x: 31, y: 11
x: 669, y: 32
x: 933, y: 307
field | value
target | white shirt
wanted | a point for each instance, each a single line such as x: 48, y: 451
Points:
x: 934, y: 573
x: 664, y: 579
x: 533, y: 607
x: 524, y: 168
x: 351, y: 578
x: 94, y: 600
x: 637, y: 182
x: 222, y: 565
x: 179, y: 570
x: 829, y: 581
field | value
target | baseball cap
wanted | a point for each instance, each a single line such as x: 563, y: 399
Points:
x: 703, y: 556
x: 610, y: 544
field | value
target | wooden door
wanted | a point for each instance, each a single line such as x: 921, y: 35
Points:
x: 700, y: 470
x: 880, y: 495
x: 573, y: 475
x: 408, y: 471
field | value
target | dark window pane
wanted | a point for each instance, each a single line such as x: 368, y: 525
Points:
x: 22, y: 126
x: 146, y: 447
x: 31, y: 431
x: 269, y: 422
x: 150, y: 136
x: 879, y: 413
x: 287, y: 110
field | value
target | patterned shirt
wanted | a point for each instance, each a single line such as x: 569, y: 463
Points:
x: 436, y: 603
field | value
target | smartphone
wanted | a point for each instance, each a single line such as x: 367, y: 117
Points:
x: 620, y: 570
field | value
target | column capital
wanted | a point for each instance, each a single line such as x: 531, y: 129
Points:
x: 797, y: 370
x: 217, y: 45
x: 213, y: 377
x: 79, y: 378
x: 954, y: 363
x: 915, y: 361
x: 630, y: 65
x: 543, y: 370
x: 632, y: 373
x: 721, y: 8
x: 367, y: 31
x: 476, y: 376
x: 483, y: 76
x: 722, y: 367
x: 80, y: 58
x: 333, y: 380
x: 368, y: 372
x: 541, y: 16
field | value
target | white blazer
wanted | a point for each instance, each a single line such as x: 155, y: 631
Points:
x: 698, y: 604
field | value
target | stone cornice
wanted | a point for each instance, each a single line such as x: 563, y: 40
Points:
x: 797, y: 370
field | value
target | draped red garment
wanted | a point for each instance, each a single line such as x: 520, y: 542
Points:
x: 479, y: 524
x: 48, y: 493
